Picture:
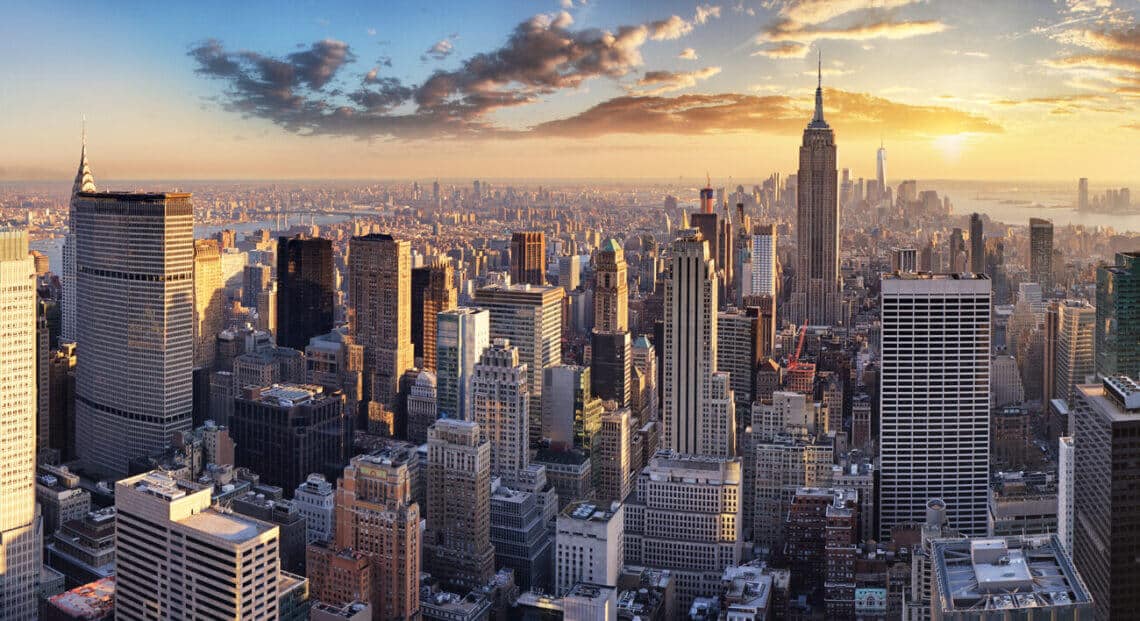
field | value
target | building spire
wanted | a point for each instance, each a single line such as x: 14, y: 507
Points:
x: 84, y: 180
x: 817, y: 121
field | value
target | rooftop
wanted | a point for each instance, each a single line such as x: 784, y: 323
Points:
x: 231, y: 527
x: 590, y: 512
x: 288, y: 395
x: 135, y: 196
x: 89, y: 601
x: 162, y: 485
x: 1005, y: 574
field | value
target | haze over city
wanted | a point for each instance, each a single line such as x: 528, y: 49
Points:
x: 597, y: 89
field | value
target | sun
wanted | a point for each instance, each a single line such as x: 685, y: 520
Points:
x: 951, y: 145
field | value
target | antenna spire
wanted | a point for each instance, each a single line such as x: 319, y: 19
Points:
x: 819, y: 69
x: 708, y: 179
x: 817, y: 119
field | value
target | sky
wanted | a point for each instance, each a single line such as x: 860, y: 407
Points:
x: 568, y: 89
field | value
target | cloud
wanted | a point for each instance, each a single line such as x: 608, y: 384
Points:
x: 787, y: 49
x: 673, y: 27
x: 371, y: 32
x: 688, y: 54
x: 660, y: 82
x: 705, y: 12
x: 301, y: 91
x: 1135, y: 126
x: 567, y: 4
x: 441, y: 50
x: 1103, y: 40
x: 887, y: 29
x: 700, y: 114
x: 1096, y: 61
x: 1064, y: 104
x: 812, y: 12
x: 970, y: 54
x: 1087, y: 6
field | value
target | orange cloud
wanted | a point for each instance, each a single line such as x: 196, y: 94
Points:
x: 786, y: 31
x: 660, y: 82
x: 787, y: 49
x: 849, y: 113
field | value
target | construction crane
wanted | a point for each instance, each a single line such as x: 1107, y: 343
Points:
x: 795, y: 361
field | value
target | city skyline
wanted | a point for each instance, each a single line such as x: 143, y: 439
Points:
x: 478, y: 91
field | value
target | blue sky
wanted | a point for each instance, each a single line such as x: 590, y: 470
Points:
x: 958, y: 87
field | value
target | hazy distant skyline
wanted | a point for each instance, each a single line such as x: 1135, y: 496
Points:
x: 569, y: 89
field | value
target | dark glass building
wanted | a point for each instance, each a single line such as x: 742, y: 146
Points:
x: 306, y: 285
x: 1118, y: 316
x: 286, y: 432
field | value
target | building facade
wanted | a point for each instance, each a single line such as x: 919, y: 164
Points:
x: 380, y: 295
x: 306, y: 290
x: 462, y: 336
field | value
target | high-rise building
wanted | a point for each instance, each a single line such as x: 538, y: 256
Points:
x: 20, y: 526
x: 739, y: 350
x: 376, y: 515
x: 697, y: 411
x: 1074, y: 361
x: 61, y: 400
x: 1118, y: 316
x: 1066, y: 473
x: 1041, y: 253
x: 432, y: 293
x: 528, y: 258
x: 936, y: 446
x: 611, y: 364
x: 178, y: 557
x: 904, y: 260
x: 522, y: 531
x: 209, y: 301
x: 421, y: 406
x: 339, y: 576
x: 336, y: 361
x: 589, y: 545
x: 611, y: 289
x: 977, y: 245
x: 462, y: 336
x: 134, y: 258
x: 255, y: 280
x: 686, y: 518
x: 285, y: 432
x: 611, y: 456
x: 316, y: 503
x: 571, y: 414
x: 881, y: 171
x: 306, y: 288
x: 502, y: 402
x: 84, y: 182
x: 1083, y: 194
x: 1106, y: 535
x: 816, y: 289
x: 570, y: 272
x: 763, y: 260
x: 457, y: 542
x: 531, y: 319
x: 380, y: 294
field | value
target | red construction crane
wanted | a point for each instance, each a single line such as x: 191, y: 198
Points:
x: 795, y: 361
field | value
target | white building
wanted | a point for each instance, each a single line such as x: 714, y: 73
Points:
x: 686, y: 517
x: 935, y: 398
x: 764, y: 260
x: 316, y: 502
x: 588, y: 545
x: 461, y: 337
x: 1065, y: 475
x: 177, y: 557
x: 21, y: 531
x: 698, y: 412
x: 502, y: 400
x: 1075, y: 359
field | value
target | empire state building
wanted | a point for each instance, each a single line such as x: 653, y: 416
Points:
x: 816, y: 290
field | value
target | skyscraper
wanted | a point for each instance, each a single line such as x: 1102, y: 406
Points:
x: 20, y: 526
x: 935, y: 424
x: 1074, y: 357
x: 457, y: 542
x: 306, y: 288
x: 1083, y: 194
x: 697, y: 412
x: 528, y: 258
x: 1118, y: 316
x: 764, y: 260
x: 531, y: 319
x: 380, y: 292
x: 881, y: 171
x: 816, y: 289
x: 502, y: 401
x: 462, y: 336
x: 209, y: 300
x: 134, y: 258
x: 285, y: 432
x: 84, y: 182
x: 611, y: 365
x: 1041, y: 253
x: 432, y: 293
x: 376, y: 516
x: 977, y: 245
x: 1106, y: 535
